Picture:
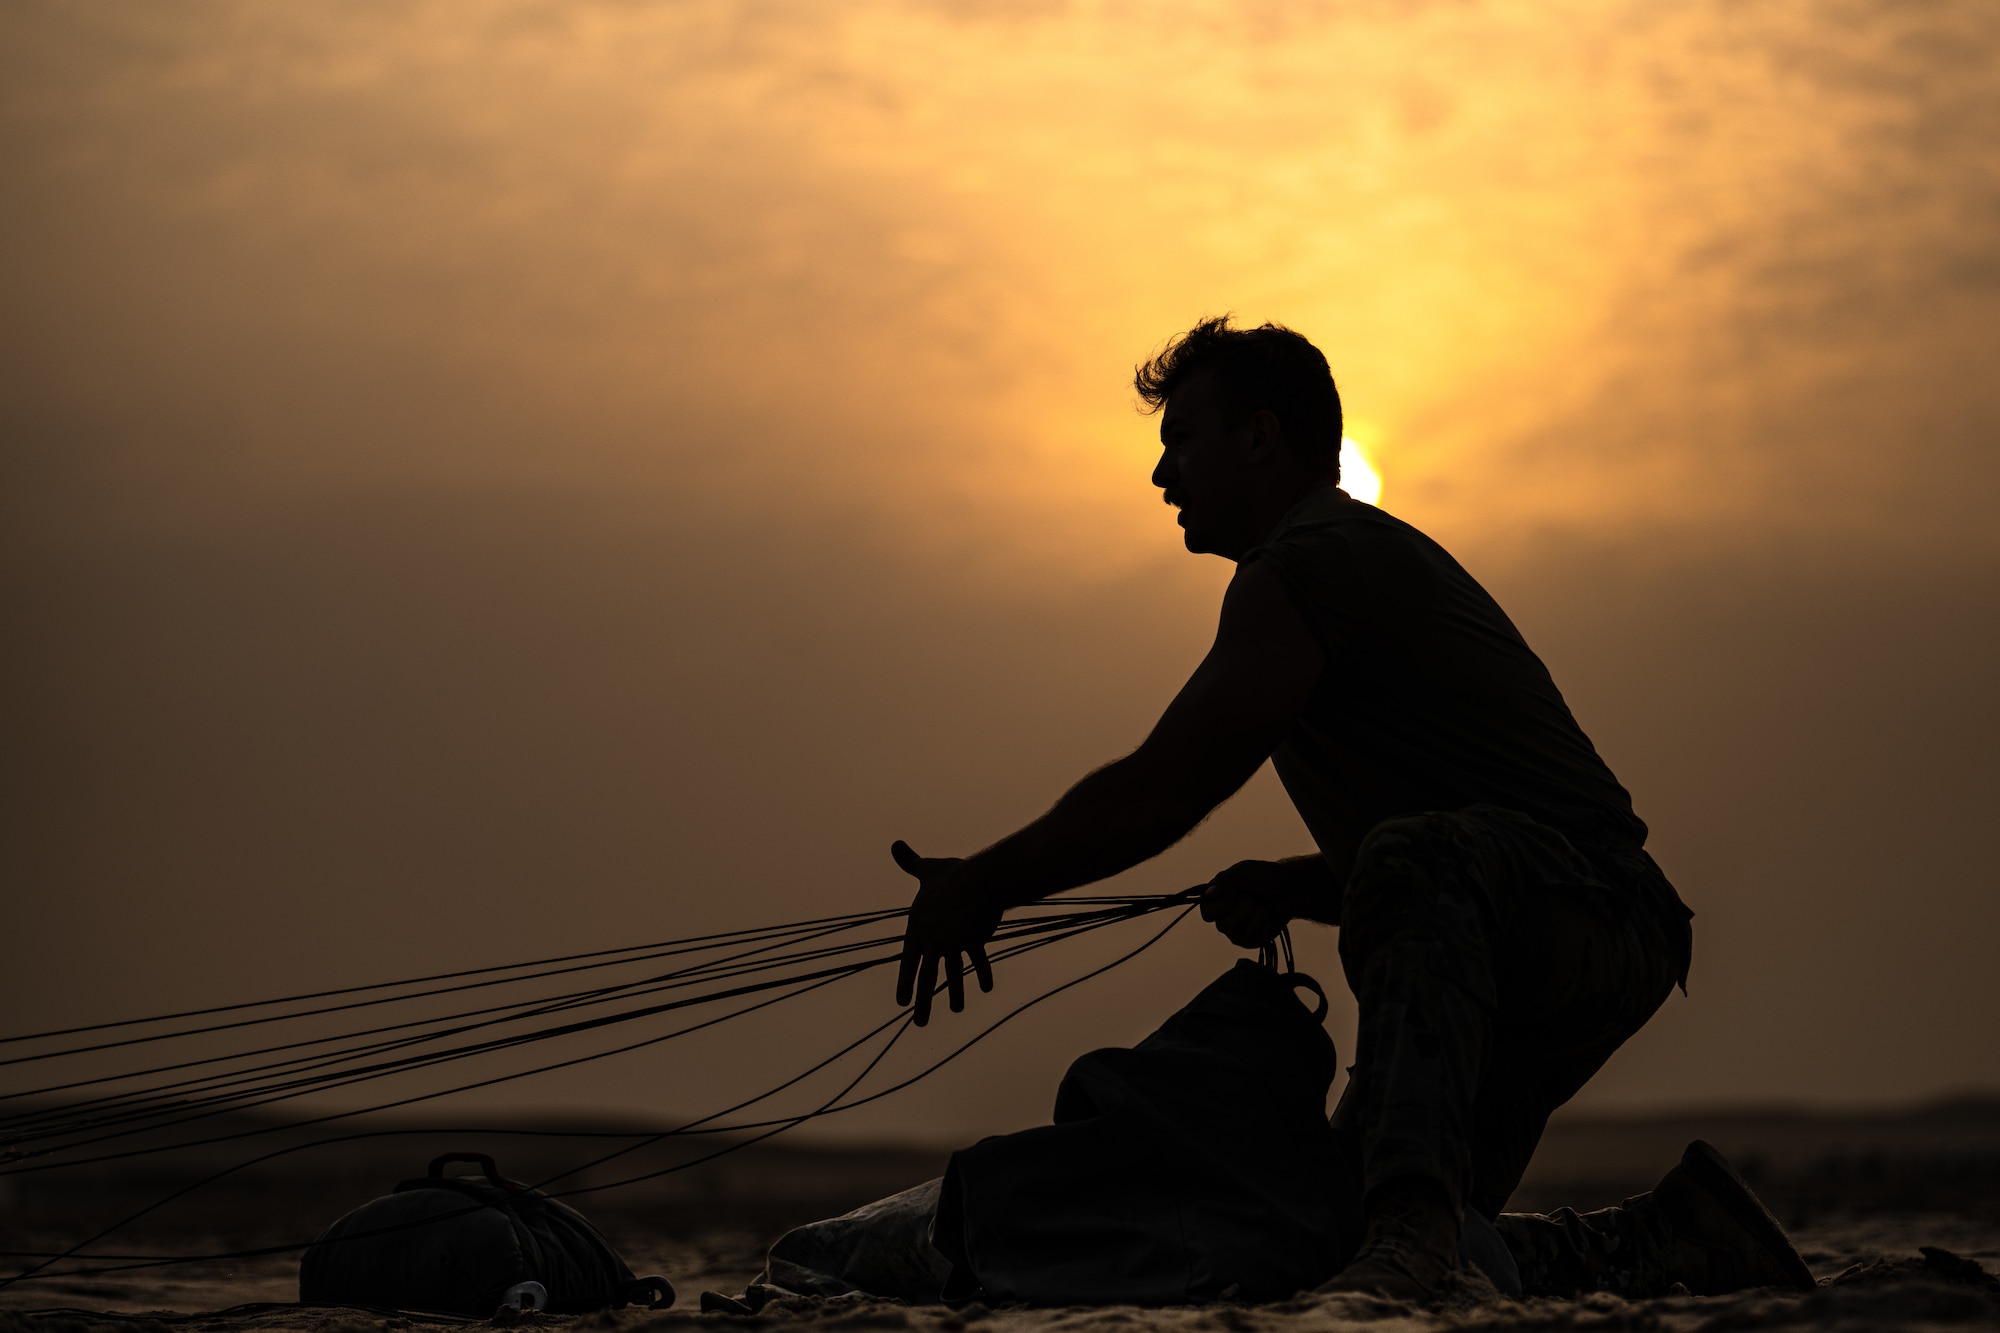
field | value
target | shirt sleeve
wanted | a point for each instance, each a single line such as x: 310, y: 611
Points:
x: 1315, y: 565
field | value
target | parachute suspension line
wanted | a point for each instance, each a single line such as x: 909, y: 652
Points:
x: 813, y: 982
x: 901, y: 1023
x: 999, y: 956
x: 520, y: 1009
x: 532, y: 1007
x: 156, y: 1109
x: 1276, y: 954
x: 822, y: 927
x: 649, y: 1137
x: 661, y: 948
x: 163, y: 1116
x: 680, y: 945
x: 926, y: 1072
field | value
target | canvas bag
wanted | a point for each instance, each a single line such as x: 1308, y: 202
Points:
x: 1195, y: 1166
x: 462, y: 1244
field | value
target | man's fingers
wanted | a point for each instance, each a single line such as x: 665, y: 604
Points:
x: 926, y: 983
x: 906, y: 973
x: 1254, y: 931
x: 1234, y: 915
x: 982, y: 968
x: 905, y: 856
x: 1219, y: 900
x: 954, y: 981
x: 1247, y: 924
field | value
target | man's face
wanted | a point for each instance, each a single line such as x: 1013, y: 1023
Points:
x: 1201, y: 467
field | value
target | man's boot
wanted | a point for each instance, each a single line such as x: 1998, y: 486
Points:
x: 1410, y: 1245
x: 1700, y: 1228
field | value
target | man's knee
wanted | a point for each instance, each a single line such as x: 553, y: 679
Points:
x: 1396, y: 870
x: 1413, y: 880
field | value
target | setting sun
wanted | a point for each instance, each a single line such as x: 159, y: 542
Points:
x: 1357, y: 477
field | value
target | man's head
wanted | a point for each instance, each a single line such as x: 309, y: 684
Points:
x: 1251, y: 423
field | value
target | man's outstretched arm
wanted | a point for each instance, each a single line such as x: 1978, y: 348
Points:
x: 1223, y: 724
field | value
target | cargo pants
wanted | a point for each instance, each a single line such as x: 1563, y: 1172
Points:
x: 1497, y: 965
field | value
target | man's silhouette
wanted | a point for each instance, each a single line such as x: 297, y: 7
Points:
x: 1502, y: 926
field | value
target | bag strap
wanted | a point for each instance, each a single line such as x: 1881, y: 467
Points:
x: 486, y: 1168
x: 1300, y: 981
x: 654, y: 1292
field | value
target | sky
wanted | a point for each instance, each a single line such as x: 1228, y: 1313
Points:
x: 482, y: 481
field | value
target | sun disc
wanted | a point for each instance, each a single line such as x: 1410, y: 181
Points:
x: 1357, y: 477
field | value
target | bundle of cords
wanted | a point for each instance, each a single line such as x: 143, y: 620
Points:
x: 408, y: 1027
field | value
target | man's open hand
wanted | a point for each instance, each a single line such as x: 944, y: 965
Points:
x: 951, y: 918
x: 1253, y: 900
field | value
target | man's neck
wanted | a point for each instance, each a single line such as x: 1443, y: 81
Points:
x: 1281, y: 506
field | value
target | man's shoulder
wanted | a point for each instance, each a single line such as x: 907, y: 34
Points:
x: 1333, y: 524
x: 1353, y: 559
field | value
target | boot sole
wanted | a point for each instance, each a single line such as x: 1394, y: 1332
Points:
x: 1709, y: 1171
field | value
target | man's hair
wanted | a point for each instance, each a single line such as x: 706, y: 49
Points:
x: 1265, y: 368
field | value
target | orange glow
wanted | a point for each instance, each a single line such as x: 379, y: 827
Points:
x: 607, y: 237
x: 610, y: 463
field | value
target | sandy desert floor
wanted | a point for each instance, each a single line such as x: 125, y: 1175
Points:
x: 1910, y: 1271
x: 1898, y: 1216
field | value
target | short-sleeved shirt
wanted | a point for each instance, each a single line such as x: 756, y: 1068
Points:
x: 1431, y: 699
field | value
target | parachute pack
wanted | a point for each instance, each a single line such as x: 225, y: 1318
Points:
x: 468, y: 1245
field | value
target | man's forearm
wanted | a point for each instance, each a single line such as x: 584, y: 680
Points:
x: 1122, y: 814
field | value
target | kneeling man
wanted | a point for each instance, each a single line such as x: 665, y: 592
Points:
x: 1502, y: 925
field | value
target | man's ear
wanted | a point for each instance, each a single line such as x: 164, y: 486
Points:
x: 1265, y: 435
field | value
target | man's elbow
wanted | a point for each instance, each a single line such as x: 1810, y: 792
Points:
x: 1185, y: 785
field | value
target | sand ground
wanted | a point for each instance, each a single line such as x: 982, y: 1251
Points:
x: 1872, y: 1274
x: 1899, y: 1217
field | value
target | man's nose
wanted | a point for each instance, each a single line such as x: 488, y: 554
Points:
x: 1163, y: 477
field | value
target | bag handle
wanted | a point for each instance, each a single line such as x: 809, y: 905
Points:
x: 1277, y: 955
x: 653, y: 1291
x: 486, y: 1168
x: 1299, y: 981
